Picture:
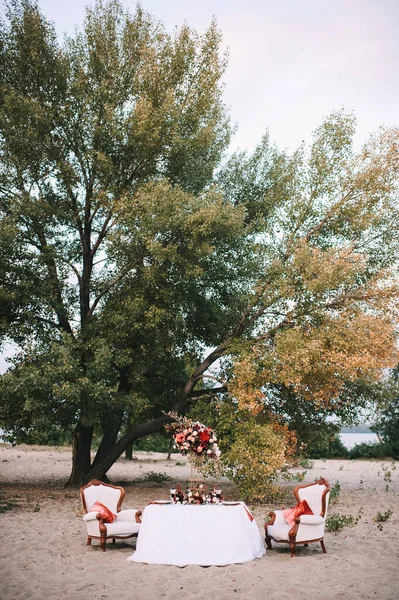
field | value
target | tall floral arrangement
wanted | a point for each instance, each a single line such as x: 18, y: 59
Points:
x: 193, y: 439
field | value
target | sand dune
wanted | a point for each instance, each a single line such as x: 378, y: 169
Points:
x: 43, y: 551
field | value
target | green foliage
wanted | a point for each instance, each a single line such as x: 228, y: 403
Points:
x: 367, y: 450
x: 222, y: 417
x: 382, y: 517
x: 387, y: 424
x: 312, y: 429
x: 336, y: 522
x: 54, y: 436
x: 335, y: 492
x: 387, y: 476
x: 7, y: 505
x: 157, y: 442
x: 337, y: 449
x: 305, y: 463
x: 257, y: 459
x: 327, y: 447
x: 255, y: 453
x: 153, y: 477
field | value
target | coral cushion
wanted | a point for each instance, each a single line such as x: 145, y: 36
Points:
x: 302, y: 508
x: 107, y: 515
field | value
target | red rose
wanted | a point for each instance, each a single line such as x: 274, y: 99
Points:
x: 204, y: 436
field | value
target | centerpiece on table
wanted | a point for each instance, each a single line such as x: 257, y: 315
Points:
x: 197, y: 495
x: 198, y: 443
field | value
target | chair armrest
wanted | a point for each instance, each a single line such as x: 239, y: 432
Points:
x: 277, y: 517
x: 92, y: 516
x: 310, y: 519
x: 129, y: 515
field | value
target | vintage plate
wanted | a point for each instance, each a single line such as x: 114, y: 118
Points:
x: 230, y: 503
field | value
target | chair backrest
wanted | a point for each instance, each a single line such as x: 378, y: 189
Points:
x: 316, y: 495
x: 109, y: 495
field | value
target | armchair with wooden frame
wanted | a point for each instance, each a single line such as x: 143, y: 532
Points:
x: 308, y: 527
x: 101, y: 504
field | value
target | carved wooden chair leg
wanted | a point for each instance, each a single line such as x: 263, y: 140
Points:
x: 113, y: 540
x: 88, y: 541
x: 323, y: 546
x: 102, y: 542
x: 292, y: 540
x: 268, y: 541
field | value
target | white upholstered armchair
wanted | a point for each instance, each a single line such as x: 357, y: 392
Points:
x: 303, y: 524
x: 103, y: 515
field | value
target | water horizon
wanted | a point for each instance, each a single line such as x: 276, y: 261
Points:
x: 350, y: 440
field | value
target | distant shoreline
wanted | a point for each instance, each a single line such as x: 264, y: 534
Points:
x: 356, y: 429
x: 350, y: 440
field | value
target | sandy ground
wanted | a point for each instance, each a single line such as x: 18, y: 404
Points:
x: 43, y: 552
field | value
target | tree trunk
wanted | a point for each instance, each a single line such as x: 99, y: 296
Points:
x: 111, y: 429
x: 129, y: 452
x: 137, y: 431
x: 102, y: 466
x: 81, y: 458
x: 170, y: 448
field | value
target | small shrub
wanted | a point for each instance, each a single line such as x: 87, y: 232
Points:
x: 5, y: 506
x: 306, y: 463
x: 335, y: 492
x: 336, y: 522
x: 299, y: 476
x: 382, y: 517
x: 155, y: 477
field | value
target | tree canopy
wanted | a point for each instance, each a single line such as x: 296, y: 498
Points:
x: 136, y: 256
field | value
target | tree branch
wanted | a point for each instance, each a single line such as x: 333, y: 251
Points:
x: 103, y: 232
x: 58, y: 303
x: 112, y: 284
x: 197, y: 394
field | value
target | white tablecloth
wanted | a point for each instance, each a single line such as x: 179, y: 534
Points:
x: 197, y: 535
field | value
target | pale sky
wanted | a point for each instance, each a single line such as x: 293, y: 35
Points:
x: 291, y: 61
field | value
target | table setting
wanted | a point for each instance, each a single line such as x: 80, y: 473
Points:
x: 196, y: 526
x: 197, y: 534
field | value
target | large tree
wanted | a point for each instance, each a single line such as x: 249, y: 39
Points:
x: 108, y: 147
x: 129, y: 268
